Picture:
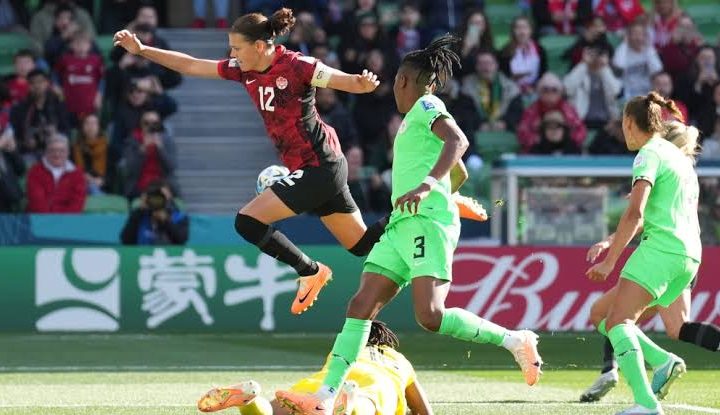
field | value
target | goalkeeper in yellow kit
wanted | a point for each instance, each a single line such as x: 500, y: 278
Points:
x: 381, y: 382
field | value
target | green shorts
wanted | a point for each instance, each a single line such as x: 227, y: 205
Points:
x: 414, y: 247
x: 665, y: 276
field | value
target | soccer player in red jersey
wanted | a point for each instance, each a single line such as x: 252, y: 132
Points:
x: 282, y: 85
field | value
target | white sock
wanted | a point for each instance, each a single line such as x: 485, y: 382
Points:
x: 511, y: 340
x: 325, y: 392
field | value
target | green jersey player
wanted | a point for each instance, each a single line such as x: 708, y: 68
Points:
x: 663, y: 202
x: 417, y: 246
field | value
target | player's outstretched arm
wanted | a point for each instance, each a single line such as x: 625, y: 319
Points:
x: 417, y: 400
x: 332, y: 78
x: 180, y: 62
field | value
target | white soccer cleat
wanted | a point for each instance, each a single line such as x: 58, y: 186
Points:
x: 345, y: 402
x: 527, y: 356
x: 666, y: 375
x: 641, y: 410
x: 602, y: 385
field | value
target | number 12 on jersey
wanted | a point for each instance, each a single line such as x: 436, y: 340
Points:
x: 267, y: 94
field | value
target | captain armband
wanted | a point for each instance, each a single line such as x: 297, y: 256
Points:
x: 321, y: 76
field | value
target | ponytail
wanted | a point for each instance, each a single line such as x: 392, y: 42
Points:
x: 256, y: 26
x: 683, y: 136
x: 435, y: 62
x: 647, y: 111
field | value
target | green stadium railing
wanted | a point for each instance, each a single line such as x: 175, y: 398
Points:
x: 106, y: 204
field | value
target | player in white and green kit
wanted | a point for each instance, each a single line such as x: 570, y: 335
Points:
x: 663, y: 203
x: 418, y: 243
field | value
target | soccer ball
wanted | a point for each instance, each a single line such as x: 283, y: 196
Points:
x: 269, y: 176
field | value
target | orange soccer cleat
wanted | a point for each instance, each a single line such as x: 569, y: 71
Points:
x: 217, y: 399
x: 309, y: 288
x: 304, y: 403
x: 527, y: 356
x: 470, y: 208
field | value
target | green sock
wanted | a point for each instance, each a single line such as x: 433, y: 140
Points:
x: 655, y: 355
x: 602, y: 328
x: 345, y: 351
x: 258, y: 406
x: 630, y: 360
x: 464, y: 325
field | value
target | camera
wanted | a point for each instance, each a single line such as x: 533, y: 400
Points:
x: 155, y: 198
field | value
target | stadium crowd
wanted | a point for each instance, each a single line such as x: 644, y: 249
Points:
x: 80, y: 122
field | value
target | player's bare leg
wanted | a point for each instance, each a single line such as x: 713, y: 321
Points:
x: 352, y: 233
x: 253, y: 222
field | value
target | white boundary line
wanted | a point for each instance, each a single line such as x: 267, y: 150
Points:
x: 692, y: 408
x: 249, y: 368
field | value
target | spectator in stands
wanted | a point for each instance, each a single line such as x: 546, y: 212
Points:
x: 39, y: 116
x: 41, y: 25
x: 149, y: 155
x: 550, y: 97
x: 665, y: 17
x: 64, y: 29
x: 221, y: 9
x: 637, y: 60
x: 555, y: 136
x: 304, y: 33
x: 699, y: 88
x: 326, y: 55
x: 17, y: 83
x: 444, y: 16
x: 80, y: 72
x: 593, y: 89
x: 679, y: 54
x: 523, y: 59
x: 142, y: 96
x: 147, y: 20
x: 117, y: 14
x: 12, y: 166
x: 54, y: 184
x: 89, y: 152
x: 476, y: 37
x: 708, y: 109
x: 406, y: 36
x: 381, y: 157
x: 662, y: 83
x: 711, y: 144
x: 496, y: 98
x: 14, y: 16
x: 336, y: 115
x: 372, y: 111
x: 610, y: 140
x: 594, y: 36
x: 157, y: 221
x: 566, y: 16
x: 355, y: 48
x: 617, y: 14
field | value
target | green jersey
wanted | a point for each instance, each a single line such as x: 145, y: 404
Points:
x: 416, y: 150
x: 671, y: 220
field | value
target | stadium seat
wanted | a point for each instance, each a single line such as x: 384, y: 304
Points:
x: 9, y: 44
x: 106, y: 204
x: 555, y: 46
x: 105, y: 44
x: 492, y: 144
x: 501, y: 16
x: 704, y: 14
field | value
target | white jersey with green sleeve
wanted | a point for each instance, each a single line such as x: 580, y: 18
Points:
x: 416, y: 150
x: 671, y: 219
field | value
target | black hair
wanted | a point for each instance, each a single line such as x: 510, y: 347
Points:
x: 381, y: 335
x: 38, y: 72
x: 62, y: 8
x: 24, y: 53
x: 435, y: 62
x: 256, y: 26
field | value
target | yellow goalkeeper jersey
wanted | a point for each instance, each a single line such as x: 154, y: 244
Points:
x: 382, y: 373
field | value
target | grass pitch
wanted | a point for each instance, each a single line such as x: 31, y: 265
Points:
x: 165, y: 374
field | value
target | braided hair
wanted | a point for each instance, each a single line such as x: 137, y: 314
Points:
x: 381, y: 335
x: 435, y: 62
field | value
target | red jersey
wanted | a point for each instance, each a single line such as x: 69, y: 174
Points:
x: 80, y: 78
x: 286, y: 100
x: 19, y: 88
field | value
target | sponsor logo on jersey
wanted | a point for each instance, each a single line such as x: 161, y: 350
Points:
x: 281, y: 82
x: 427, y: 105
x: 639, y: 160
